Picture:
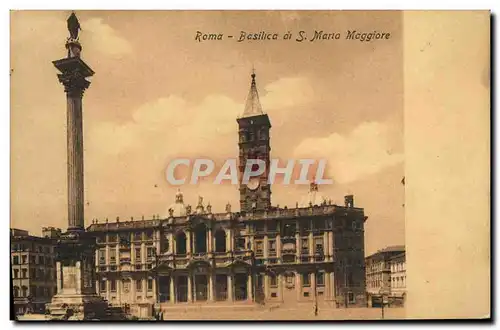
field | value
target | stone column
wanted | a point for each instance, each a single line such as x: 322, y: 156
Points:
x: 157, y: 242
x: 281, y: 284
x: 327, y: 285
x: 298, y: 286
x: 333, y: 287
x: 144, y: 253
x: 326, y: 245
x: 73, y: 76
x: 266, y: 286
x: 230, y: 287
x: 331, y: 246
x: 266, y: 246
x: 119, y: 289
x: 298, y: 246
x: 132, y: 253
x: 108, y: 256
x: 211, y: 281
x: 75, y: 159
x: 210, y: 240
x: 78, y: 284
x: 250, y: 288
x: 311, y: 246
x: 59, y: 277
x: 155, y: 292
x: 313, y: 285
x: 278, y: 247
x: 190, y: 287
x: 144, y: 289
x: 188, y: 242
x: 171, y: 243
x: 108, y: 290
x: 133, y: 287
x: 172, y: 289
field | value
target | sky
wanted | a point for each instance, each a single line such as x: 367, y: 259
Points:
x: 159, y: 94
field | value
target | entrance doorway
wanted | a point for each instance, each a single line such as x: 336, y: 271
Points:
x: 201, y: 286
x: 182, y: 289
x: 240, y: 287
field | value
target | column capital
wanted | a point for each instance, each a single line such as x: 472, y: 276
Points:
x: 74, y: 83
x: 74, y: 72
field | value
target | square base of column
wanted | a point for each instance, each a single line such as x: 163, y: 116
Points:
x: 78, y: 307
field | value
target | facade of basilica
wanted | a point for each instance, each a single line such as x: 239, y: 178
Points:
x: 311, y: 253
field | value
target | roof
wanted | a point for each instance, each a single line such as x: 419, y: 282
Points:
x: 252, y: 105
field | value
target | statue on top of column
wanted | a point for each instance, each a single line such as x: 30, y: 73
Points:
x: 72, y: 44
x: 73, y: 26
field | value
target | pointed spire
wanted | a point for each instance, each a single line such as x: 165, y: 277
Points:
x: 252, y: 106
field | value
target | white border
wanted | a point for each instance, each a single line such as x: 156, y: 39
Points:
x: 199, y: 4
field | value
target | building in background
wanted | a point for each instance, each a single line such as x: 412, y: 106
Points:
x: 398, y: 279
x: 378, y: 274
x: 33, y: 269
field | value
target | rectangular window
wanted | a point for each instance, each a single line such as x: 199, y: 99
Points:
x: 259, y: 227
x: 138, y: 285
x: 273, y: 281
x: 102, y: 256
x: 150, y: 284
x: 113, y: 285
x: 42, y: 260
x: 271, y: 225
x: 149, y: 235
x: 137, y: 236
x: 272, y: 247
x: 240, y: 243
x: 102, y: 286
x: 33, y: 260
x: 150, y: 252
x: 259, y: 248
x: 138, y: 255
x: 24, y: 272
x: 274, y: 295
x: 351, y: 297
x: 306, y: 294
x: 16, y: 273
x: 320, y: 279
x: 318, y: 245
x: 15, y: 260
x: 305, y: 245
x: 112, y: 255
x: 306, y: 279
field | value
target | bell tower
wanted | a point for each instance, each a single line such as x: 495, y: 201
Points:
x: 254, y: 143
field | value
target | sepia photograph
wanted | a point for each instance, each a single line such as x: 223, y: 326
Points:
x: 208, y: 165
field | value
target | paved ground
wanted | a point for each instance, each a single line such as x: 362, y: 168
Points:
x: 287, y: 314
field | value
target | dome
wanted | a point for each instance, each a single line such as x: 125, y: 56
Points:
x: 177, y: 209
x: 313, y: 197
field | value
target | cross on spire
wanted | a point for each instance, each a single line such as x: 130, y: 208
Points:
x: 252, y: 106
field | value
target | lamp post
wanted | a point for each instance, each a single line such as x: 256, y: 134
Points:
x: 385, y: 301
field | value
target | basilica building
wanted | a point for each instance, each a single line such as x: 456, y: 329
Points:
x: 260, y: 253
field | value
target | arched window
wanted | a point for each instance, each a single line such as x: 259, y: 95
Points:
x: 24, y: 291
x: 200, y: 234
x: 16, y: 291
x: 220, y: 240
x: 180, y: 243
